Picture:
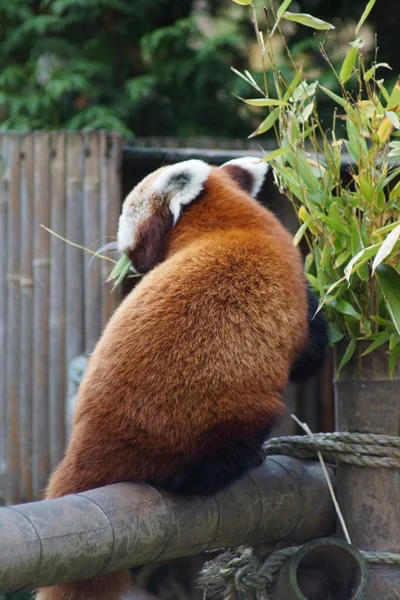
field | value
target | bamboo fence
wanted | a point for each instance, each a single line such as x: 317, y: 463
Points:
x: 53, y: 305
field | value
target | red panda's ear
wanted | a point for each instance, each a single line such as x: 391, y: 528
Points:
x: 151, y: 241
x: 248, y: 172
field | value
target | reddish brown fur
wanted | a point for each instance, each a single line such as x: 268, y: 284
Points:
x: 205, y: 342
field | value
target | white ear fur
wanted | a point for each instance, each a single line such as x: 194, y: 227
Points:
x: 184, y: 182
x: 255, y: 166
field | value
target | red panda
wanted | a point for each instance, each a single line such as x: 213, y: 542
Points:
x: 187, y: 378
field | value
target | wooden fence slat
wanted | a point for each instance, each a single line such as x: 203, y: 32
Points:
x: 26, y: 333
x: 3, y: 311
x: 13, y: 319
x: 110, y: 207
x: 74, y: 289
x: 91, y: 239
x: 41, y: 269
x: 57, y: 366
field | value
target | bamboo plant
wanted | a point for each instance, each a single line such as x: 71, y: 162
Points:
x: 351, y: 226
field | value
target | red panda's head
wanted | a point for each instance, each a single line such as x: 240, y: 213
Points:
x: 154, y: 206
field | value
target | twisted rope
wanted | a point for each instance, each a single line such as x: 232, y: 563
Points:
x: 243, y: 572
x: 361, y: 449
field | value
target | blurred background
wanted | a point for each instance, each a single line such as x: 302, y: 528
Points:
x: 159, y: 73
x: 159, y: 68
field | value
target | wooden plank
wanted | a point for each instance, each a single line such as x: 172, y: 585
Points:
x: 3, y: 310
x: 74, y: 291
x: 41, y: 271
x: 91, y: 239
x: 26, y: 334
x: 57, y: 371
x: 13, y: 320
x: 110, y: 207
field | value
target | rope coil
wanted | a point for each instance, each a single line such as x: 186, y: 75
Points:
x: 242, y: 571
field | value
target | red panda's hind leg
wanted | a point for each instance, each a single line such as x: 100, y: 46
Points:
x: 218, y: 469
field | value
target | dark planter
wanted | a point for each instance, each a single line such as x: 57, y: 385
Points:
x: 368, y: 401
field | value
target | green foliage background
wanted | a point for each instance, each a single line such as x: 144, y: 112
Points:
x: 144, y: 68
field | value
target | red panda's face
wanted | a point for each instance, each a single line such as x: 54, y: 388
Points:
x: 154, y: 206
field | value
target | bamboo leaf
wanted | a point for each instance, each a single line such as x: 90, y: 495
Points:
x: 393, y: 118
x: 393, y: 356
x: 308, y: 20
x: 341, y: 101
x: 334, y: 333
x: 365, y: 14
x: 346, y: 308
x: 300, y: 232
x: 386, y: 248
x: 122, y: 266
x: 267, y: 123
x: 263, y: 102
x: 276, y: 154
x: 348, y: 64
x: 381, y: 339
x: 243, y: 2
x: 364, y: 255
x: 283, y: 7
x: 389, y: 282
x: 347, y: 355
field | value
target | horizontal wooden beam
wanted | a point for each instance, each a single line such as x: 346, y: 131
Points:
x: 123, y: 525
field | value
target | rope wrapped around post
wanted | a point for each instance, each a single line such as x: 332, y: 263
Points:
x: 246, y: 572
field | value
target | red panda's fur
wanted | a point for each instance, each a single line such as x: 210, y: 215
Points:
x: 198, y: 353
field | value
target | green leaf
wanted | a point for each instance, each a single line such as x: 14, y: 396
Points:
x: 300, y: 232
x: 346, y: 308
x: 264, y: 102
x: 389, y: 282
x: 365, y: 14
x: 267, y: 123
x: 122, y: 265
x: 283, y: 8
x: 386, y: 248
x: 371, y: 72
x: 335, y: 335
x: 360, y: 258
x: 307, y: 20
x: 336, y: 225
x: 348, y: 64
x: 381, y: 321
x: 393, y: 356
x: 276, y: 154
x: 381, y: 339
x: 393, y: 118
x: 243, y: 2
x: 341, y: 101
x: 347, y: 355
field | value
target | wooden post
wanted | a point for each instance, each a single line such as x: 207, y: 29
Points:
x: 120, y: 526
x: 57, y: 323
x: 367, y: 401
x: 13, y: 320
x: 26, y: 334
x: 41, y: 272
x: 110, y: 206
x: 3, y: 310
x: 91, y: 239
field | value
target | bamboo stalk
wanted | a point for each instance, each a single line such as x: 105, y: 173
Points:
x: 26, y: 334
x: 41, y: 271
x: 110, y: 207
x: 57, y: 372
x: 74, y: 289
x: 124, y: 525
x: 91, y: 239
x: 3, y: 311
x: 13, y: 320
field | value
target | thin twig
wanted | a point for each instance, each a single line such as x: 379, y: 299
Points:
x: 78, y: 246
x: 306, y: 428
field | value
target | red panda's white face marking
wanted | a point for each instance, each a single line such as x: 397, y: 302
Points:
x: 161, y: 193
x: 249, y: 173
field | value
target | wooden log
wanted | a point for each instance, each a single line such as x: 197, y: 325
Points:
x: 110, y: 207
x: 41, y: 272
x: 13, y: 319
x: 26, y: 334
x: 57, y: 368
x: 74, y: 289
x: 91, y: 239
x: 126, y: 524
x: 3, y: 310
